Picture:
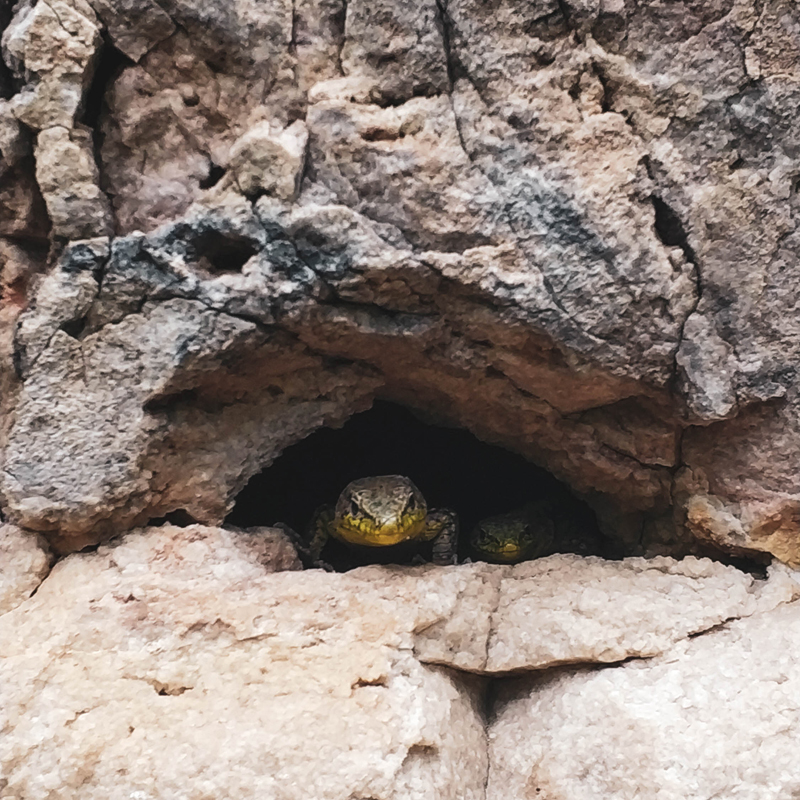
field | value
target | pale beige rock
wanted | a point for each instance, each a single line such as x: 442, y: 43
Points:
x: 568, y: 609
x: 174, y: 654
x: 69, y: 181
x: 24, y: 563
x: 717, y: 716
x: 264, y: 161
x: 54, y: 43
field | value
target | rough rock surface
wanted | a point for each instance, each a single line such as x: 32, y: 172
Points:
x: 717, y: 716
x: 174, y: 653
x: 24, y: 563
x: 569, y: 227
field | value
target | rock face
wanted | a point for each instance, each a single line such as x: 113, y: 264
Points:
x: 176, y: 653
x: 717, y: 716
x: 567, y: 227
x: 24, y: 563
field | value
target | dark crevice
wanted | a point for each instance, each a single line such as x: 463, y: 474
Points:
x: 110, y: 63
x: 607, y: 101
x: 8, y: 84
x: 455, y: 69
x: 74, y: 328
x: 669, y: 229
x: 340, y: 23
x: 180, y: 518
x: 451, y: 467
x: 216, y: 252
x: 215, y: 175
x: 169, y: 691
x: 293, y: 35
x: 567, y: 15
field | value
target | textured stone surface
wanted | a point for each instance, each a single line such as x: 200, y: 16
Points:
x: 715, y: 717
x: 175, y: 654
x: 24, y: 563
x: 68, y: 179
x: 177, y: 651
x: 569, y: 227
x: 53, y: 44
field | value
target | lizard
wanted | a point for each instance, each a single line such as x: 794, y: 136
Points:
x: 537, y: 529
x: 383, y: 511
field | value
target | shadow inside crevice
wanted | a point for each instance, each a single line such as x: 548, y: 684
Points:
x: 451, y: 467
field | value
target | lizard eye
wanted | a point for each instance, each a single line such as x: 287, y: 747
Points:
x: 354, y: 509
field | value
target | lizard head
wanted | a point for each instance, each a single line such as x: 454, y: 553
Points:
x: 381, y: 510
x: 509, y: 538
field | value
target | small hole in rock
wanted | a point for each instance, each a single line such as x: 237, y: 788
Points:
x: 74, y: 328
x: 217, y: 252
x: 451, y: 467
x: 181, y: 518
x: 215, y: 175
x: 668, y: 224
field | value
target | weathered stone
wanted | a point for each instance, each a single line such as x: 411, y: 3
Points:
x: 585, y: 212
x: 135, y: 26
x: 716, y: 716
x: 18, y: 268
x: 22, y: 212
x: 119, y: 648
x: 52, y: 43
x: 24, y: 563
x: 397, y: 49
x: 567, y: 609
x: 176, y: 645
x: 14, y: 141
x: 268, y: 162
x: 65, y: 296
x: 86, y: 367
x: 69, y: 181
x: 232, y: 268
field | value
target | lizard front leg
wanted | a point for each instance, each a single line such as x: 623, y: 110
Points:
x: 443, y: 525
x: 317, y: 535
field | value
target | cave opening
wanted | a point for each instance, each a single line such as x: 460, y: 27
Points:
x: 451, y: 467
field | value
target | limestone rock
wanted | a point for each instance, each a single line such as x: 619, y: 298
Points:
x: 172, y: 649
x: 19, y: 266
x: 570, y: 227
x: 24, y: 563
x: 236, y: 270
x: 716, y: 716
x: 175, y: 653
x: 396, y: 49
x: 567, y: 609
x: 22, y: 212
x: 265, y: 162
x: 52, y: 43
x: 88, y: 370
x: 135, y: 26
x: 69, y: 181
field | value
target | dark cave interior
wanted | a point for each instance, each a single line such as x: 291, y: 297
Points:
x: 451, y: 467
